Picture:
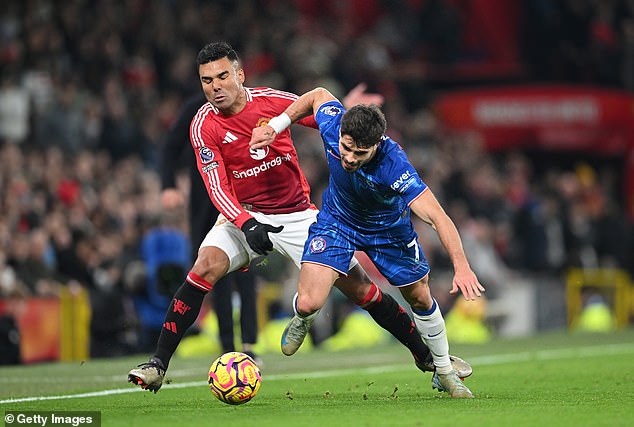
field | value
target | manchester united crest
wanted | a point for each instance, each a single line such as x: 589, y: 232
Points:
x: 262, y: 121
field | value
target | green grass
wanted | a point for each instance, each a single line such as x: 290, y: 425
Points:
x: 556, y: 379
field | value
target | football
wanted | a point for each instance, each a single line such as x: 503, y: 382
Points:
x: 234, y: 378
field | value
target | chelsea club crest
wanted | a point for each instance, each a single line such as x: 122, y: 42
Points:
x: 317, y: 245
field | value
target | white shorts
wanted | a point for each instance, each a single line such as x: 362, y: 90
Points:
x: 288, y: 242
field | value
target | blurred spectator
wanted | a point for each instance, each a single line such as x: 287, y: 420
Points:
x: 31, y: 259
x: 165, y: 252
x: 15, y: 110
x: 9, y: 334
x: 121, y: 136
x: 110, y: 322
x: 61, y: 125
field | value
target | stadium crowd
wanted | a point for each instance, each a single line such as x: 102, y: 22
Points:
x: 89, y: 89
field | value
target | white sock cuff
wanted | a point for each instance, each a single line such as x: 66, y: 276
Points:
x: 433, y: 312
x: 302, y: 316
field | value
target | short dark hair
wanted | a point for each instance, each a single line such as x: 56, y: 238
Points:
x: 216, y: 50
x: 365, y: 124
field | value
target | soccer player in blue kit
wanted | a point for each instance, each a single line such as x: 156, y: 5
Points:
x: 373, y: 189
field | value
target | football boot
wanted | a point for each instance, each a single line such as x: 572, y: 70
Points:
x: 451, y: 384
x: 148, y: 375
x: 463, y: 368
x: 294, y: 334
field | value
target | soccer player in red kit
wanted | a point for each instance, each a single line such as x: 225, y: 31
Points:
x: 264, y: 203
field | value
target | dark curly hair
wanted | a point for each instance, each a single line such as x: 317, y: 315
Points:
x: 365, y: 124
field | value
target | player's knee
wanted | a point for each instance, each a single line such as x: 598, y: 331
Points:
x: 211, y: 264
x: 419, y: 306
x: 418, y: 296
x: 422, y: 302
x: 305, y: 305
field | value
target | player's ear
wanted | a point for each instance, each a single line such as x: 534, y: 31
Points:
x: 241, y: 75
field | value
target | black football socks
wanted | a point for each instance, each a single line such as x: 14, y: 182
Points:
x: 388, y: 314
x: 181, y: 314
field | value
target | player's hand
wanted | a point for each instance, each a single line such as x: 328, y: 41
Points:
x: 172, y: 198
x: 262, y: 136
x: 358, y: 96
x: 257, y: 235
x: 468, y: 284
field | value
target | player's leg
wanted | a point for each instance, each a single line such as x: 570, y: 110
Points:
x: 429, y: 321
x: 398, y: 256
x: 431, y: 325
x: 315, y: 281
x: 182, y: 312
x: 321, y: 257
x: 385, y: 311
x: 222, y: 250
x: 389, y: 314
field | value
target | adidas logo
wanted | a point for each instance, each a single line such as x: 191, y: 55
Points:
x: 229, y: 138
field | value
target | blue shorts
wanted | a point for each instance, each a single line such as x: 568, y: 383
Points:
x: 395, y: 252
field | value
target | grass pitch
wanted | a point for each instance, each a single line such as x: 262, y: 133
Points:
x: 549, y: 380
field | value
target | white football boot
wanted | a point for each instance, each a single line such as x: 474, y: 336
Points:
x: 294, y: 334
x: 451, y: 384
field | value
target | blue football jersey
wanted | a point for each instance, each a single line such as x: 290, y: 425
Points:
x: 376, y: 196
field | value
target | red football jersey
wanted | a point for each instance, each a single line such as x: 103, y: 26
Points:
x: 267, y: 180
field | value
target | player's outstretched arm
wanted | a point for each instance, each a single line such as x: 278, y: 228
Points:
x: 427, y: 208
x: 303, y: 106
